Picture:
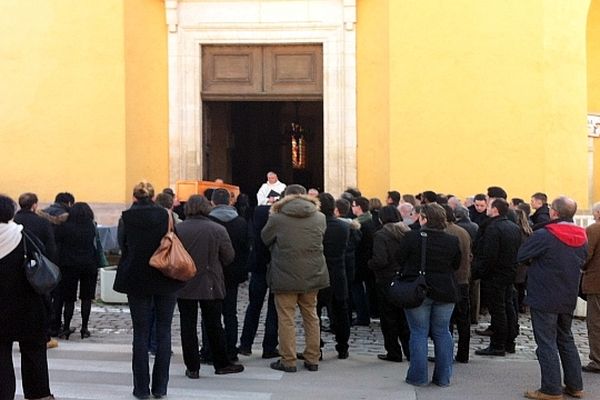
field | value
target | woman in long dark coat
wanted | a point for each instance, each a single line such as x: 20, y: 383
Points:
x: 150, y: 294
x: 22, y: 315
x: 384, y: 263
x: 75, y: 240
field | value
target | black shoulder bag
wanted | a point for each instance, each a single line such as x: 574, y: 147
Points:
x: 410, y: 292
x: 43, y: 275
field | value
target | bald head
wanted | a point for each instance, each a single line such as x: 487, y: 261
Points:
x: 563, y: 207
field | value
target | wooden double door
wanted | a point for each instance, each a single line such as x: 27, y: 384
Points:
x: 251, y: 96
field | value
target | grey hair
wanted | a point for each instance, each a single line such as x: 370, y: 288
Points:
x: 454, y: 200
x: 461, y: 213
x: 406, y: 206
x: 596, y: 207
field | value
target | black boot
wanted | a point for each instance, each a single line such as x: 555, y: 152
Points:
x: 86, y: 309
x: 68, y: 315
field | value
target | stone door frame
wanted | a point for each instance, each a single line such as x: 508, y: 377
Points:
x: 187, y: 35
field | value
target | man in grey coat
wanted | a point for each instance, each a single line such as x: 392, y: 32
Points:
x: 297, y: 271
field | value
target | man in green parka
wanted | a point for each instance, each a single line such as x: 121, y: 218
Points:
x: 294, y: 234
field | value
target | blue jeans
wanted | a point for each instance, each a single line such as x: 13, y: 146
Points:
x: 256, y: 296
x: 430, y: 317
x: 553, y: 337
x: 142, y: 309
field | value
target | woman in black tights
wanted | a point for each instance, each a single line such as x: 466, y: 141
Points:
x: 75, y: 240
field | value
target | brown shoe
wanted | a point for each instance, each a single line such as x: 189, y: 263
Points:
x: 51, y: 344
x: 278, y: 365
x: 569, y: 391
x: 537, y: 395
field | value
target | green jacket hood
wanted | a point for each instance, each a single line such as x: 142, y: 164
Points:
x: 298, y: 206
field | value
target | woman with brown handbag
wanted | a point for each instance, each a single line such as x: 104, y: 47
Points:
x: 149, y: 292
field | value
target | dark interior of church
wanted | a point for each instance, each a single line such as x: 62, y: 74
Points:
x: 243, y: 140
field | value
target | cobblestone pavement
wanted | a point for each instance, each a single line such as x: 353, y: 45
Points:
x: 111, y: 323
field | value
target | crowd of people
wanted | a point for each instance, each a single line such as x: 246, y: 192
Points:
x: 308, y: 250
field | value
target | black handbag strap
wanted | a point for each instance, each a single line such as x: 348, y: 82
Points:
x: 24, y: 244
x: 34, y: 243
x: 423, y: 252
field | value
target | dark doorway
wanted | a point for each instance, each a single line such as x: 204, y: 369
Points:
x: 243, y: 140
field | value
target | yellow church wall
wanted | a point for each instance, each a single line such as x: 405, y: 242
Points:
x: 373, y: 118
x: 480, y: 94
x: 593, y: 84
x: 146, y: 94
x: 565, y: 100
x: 62, y: 107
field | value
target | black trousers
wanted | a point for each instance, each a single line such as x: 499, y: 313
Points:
x: 504, y: 318
x: 394, y: 327
x: 211, y: 318
x: 230, y: 322
x: 56, y: 308
x: 461, y: 318
x: 339, y: 319
x: 34, y: 370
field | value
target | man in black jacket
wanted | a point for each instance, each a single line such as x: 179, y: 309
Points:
x: 57, y: 213
x: 363, y: 288
x: 260, y: 256
x: 495, y: 263
x: 43, y: 230
x: 334, y: 248
x: 342, y: 212
x: 539, y: 202
x: 477, y: 210
x: 237, y: 271
x: 35, y: 224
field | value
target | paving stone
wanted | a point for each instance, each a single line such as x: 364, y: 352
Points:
x: 111, y: 323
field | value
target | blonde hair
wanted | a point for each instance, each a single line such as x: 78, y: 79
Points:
x: 523, y: 221
x: 143, y: 190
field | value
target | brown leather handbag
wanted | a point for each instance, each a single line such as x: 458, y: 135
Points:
x: 171, y: 258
